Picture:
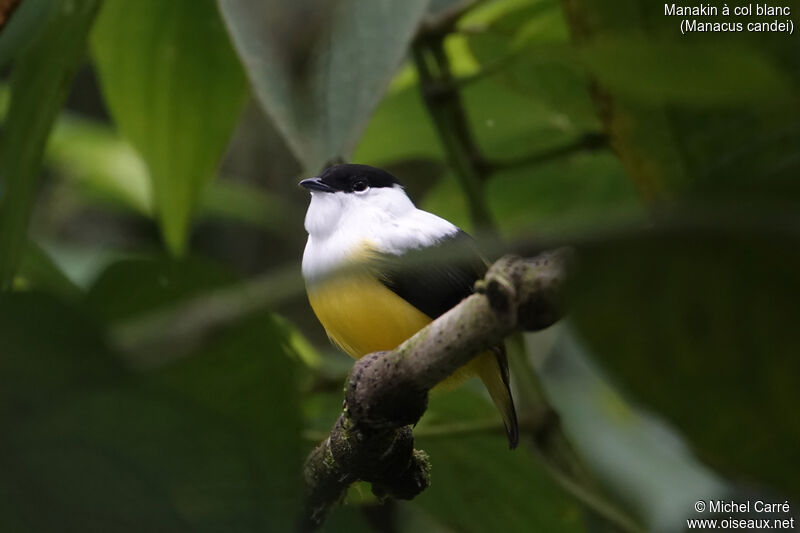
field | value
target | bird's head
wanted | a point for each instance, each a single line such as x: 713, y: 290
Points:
x: 353, y: 194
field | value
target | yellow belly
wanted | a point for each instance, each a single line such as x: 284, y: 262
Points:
x: 362, y: 316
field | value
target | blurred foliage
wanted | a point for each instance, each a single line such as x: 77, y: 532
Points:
x: 646, y: 464
x: 28, y: 17
x: 683, y: 300
x: 37, y: 95
x: 176, y: 449
x: 721, y: 304
x: 174, y: 87
x: 320, y: 68
x: 483, y: 500
x: 711, y: 115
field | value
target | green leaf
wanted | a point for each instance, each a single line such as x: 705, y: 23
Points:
x: 644, y: 463
x: 320, y: 69
x: 697, y: 318
x: 39, y: 271
x: 524, y: 44
x: 480, y: 485
x: 399, y: 129
x: 108, y: 170
x: 101, y: 163
x: 209, y: 443
x: 175, y: 89
x: 703, y: 115
x: 130, y: 287
x: 232, y: 200
x: 690, y: 74
x: 39, y: 85
x: 48, y: 350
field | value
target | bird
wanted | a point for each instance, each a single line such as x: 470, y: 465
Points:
x: 361, y: 221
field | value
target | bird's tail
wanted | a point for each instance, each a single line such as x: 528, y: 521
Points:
x: 492, y: 367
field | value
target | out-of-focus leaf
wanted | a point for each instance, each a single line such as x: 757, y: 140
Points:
x: 319, y: 69
x: 40, y: 272
x: 48, y: 351
x: 28, y: 17
x: 479, y: 485
x: 571, y: 193
x: 709, y: 115
x: 242, y: 387
x: 643, y: 461
x: 564, y: 193
x: 559, y: 197
x: 231, y: 200
x: 81, y: 263
x: 109, y: 170
x: 39, y: 85
x: 300, y: 345
x: 175, y: 89
x: 509, y: 126
x: 209, y: 443
x: 134, y: 286
x: 399, y: 129
x: 102, y: 163
x: 686, y: 73
x: 246, y: 378
x: 698, y: 321
x: 525, y: 46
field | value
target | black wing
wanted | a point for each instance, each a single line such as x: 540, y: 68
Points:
x: 436, y: 278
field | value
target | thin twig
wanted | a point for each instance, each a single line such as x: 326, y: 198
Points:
x: 591, y: 141
x: 444, y: 104
x: 590, y: 499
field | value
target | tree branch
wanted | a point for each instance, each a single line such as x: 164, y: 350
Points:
x: 443, y: 100
x: 387, y: 392
x: 7, y: 8
x: 589, y: 142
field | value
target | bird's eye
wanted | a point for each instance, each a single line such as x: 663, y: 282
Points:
x: 360, y: 186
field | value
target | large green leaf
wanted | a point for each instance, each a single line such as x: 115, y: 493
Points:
x: 524, y: 45
x: 711, y: 115
x: 106, y: 169
x: 175, y: 89
x: 39, y: 271
x: 39, y: 85
x: 320, y: 68
x: 697, y: 318
x: 130, y: 287
x: 644, y: 462
x: 209, y: 443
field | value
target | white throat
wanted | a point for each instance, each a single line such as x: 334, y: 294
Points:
x: 341, y: 225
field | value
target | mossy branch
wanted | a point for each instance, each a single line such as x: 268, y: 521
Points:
x: 387, y: 392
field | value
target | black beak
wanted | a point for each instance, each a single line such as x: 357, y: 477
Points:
x: 315, y: 184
